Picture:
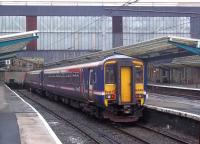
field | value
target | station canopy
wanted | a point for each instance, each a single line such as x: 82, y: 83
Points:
x: 162, y: 48
x: 192, y: 61
x: 12, y: 43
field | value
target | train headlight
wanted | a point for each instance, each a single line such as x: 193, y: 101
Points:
x: 110, y: 96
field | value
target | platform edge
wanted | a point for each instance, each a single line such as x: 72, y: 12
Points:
x: 56, y: 139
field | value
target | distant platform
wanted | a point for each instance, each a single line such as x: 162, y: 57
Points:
x: 180, y: 106
x: 174, y: 86
x: 20, y: 122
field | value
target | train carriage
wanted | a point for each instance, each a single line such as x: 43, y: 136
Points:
x: 33, y: 79
x: 111, y: 88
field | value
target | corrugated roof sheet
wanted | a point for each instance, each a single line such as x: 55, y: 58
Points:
x: 16, y: 42
x: 144, y: 50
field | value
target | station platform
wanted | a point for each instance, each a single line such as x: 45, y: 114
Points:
x: 176, y: 86
x: 20, y: 123
x: 180, y: 106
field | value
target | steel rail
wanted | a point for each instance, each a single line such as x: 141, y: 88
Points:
x: 60, y: 117
x: 121, y: 130
x: 75, y: 126
x: 164, y: 134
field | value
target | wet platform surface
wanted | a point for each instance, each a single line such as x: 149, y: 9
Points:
x: 189, y: 108
x: 19, y: 122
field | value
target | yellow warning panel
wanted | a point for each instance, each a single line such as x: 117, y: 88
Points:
x: 139, y: 88
x: 125, y: 84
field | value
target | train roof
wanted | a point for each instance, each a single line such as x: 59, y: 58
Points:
x: 91, y: 64
x: 116, y: 57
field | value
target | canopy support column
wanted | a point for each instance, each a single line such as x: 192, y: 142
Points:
x: 145, y: 75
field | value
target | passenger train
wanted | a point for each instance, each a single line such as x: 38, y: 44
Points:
x: 110, y: 88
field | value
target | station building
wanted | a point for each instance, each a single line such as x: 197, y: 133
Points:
x: 68, y: 30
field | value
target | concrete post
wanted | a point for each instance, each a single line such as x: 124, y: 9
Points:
x: 117, y: 31
x: 195, y: 27
x: 31, y: 24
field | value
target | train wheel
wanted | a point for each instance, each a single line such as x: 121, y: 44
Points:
x: 43, y: 94
x: 100, y: 114
x: 55, y: 98
x: 97, y: 112
x: 49, y: 95
x: 30, y: 90
x: 46, y: 94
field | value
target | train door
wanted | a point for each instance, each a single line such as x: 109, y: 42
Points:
x: 91, y: 84
x: 42, y: 78
x: 85, y: 83
x: 126, y: 84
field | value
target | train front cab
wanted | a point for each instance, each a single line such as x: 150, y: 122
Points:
x: 124, y: 89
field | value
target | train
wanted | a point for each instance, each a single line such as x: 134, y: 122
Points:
x: 109, y: 88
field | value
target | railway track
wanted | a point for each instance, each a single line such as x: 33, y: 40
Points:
x: 127, y: 133
x: 59, y: 117
x: 80, y: 128
x: 165, y: 134
x: 182, y: 141
x: 85, y: 128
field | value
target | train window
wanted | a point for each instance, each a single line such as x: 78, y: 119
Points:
x: 110, y: 76
x: 93, y: 77
x: 78, y: 78
x: 139, y: 74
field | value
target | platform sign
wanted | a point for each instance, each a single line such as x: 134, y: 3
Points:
x: 7, y: 62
